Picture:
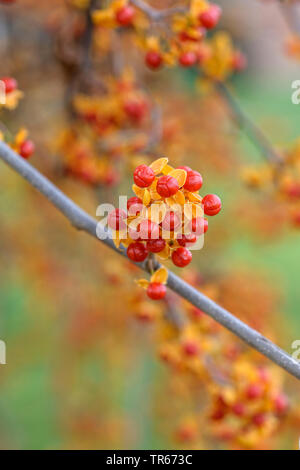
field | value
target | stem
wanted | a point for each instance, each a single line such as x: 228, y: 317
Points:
x: 155, y: 14
x: 88, y: 37
x: 246, y: 123
x: 289, y: 15
x: 82, y: 221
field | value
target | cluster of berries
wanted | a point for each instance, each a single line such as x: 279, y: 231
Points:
x: 12, y: 94
x: 281, y: 182
x: 187, y: 46
x: 254, y: 404
x: 21, y: 144
x: 165, y: 217
x: 119, y: 115
x: 118, y: 13
x: 123, y: 104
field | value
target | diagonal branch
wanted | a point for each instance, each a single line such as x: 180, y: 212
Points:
x: 245, y: 123
x: 82, y: 221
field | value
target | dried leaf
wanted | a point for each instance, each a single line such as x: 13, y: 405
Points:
x: 173, y: 204
x: 116, y: 241
x: 179, y: 198
x: 155, y: 196
x: 21, y: 136
x: 161, y: 275
x: 146, y: 197
x: 142, y: 283
x: 179, y: 175
x: 167, y: 169
x: 165, y: 253
x: 194, y: 197
x: 139, y: 192
x: 127, y: 242
x: 158, y: 165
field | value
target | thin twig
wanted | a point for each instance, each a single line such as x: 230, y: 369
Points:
x: 157, y: 15
x: 155, y: 133
x: 290, y: 15
x: 82, y: 221
x: 246, y: 123
x: 87, y: 39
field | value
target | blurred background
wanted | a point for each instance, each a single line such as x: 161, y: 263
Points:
x: 83, y: 367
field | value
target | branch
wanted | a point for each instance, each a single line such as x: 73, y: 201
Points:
x: 87, y: 38
x: 290, y: 14
x: 82, y: 221
x: 157, y: 15
x: 246, y: 123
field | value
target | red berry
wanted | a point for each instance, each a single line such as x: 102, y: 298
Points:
x: 281, y: 403
x: 143, y: 176
x: 187, y: 59
x: 218, y: 414
x: 212, y: 204
x: 156, y: 246
x: 193, y: 181
x: 136, y: 110
x: 254, y: 391
x: 197, y: 313
x: 116, y: 219
x: 156, y: 291
x: 27, y: 148
x: 184, y: 36
x: 259, y: 419
x: 153, y: 59
x: 186, y: 168
x: 264, y: 375
x: 171, y: 221
x: 181, y: 257
x: 190, y: 348
x: 210, y: 17
x: 90, y: 117
x: 7, y: 1
x: 203, y: 53
x: 148, y: 230
x: 10, y: 84
x: 293, y: 190
x: 111, y: 177
x: 238, y: 409
x: 198, y: 226
x: 186, y: 433
x: 239, y: 62
x: 134, y: 205
x: 187, y: 240
x: 296, y: 219
x: 137, y: 252
x: 167, y: 186
x: 125, y: 15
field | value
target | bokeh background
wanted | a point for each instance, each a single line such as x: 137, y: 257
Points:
x: 81, y: 371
